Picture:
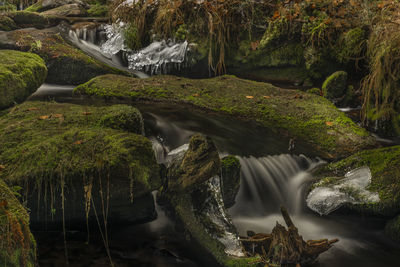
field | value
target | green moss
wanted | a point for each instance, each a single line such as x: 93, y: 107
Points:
x: 98, y: 10
x: 44, y: 141
x: 132, y: 40
x: 182, y: 33
x: 26, y: 19
x: 20, y: 75
x: 123, y: 117
x: 385, y: 169
x: 36, y: 7
x: 7, y: 24
x: 335, y: 85
x: 315, y: 91
x: 353, y: 45
x: 392, y: 229
x: 17, y: 245
x: 67, y: 64
x: 313, y: 119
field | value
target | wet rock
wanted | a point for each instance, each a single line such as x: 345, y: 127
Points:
x: 65, y: 154
x: 198, y: 202
x: 25, y: 19
x: 199, y: 163
x: 20, y: 75
x: 311, y: 119
x: 384, y: 164
x: 70, y: 10
x: 123, y: 117
x: 66, y: 64
x: 43, y: 5
x: 335, y: 85
x: 17, y: 244
x: 7, y: 24
x: 392, y: 229
x: 230, y: 179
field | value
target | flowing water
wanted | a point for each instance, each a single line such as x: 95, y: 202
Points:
x: 270, y: 177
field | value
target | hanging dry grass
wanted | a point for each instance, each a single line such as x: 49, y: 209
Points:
x: 381, y: 99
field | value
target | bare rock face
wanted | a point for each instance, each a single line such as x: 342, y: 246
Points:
x: 199, y: 164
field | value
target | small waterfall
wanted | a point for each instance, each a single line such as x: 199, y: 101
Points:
x: 271, y: 181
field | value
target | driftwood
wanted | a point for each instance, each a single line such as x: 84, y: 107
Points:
x: 284, y: 247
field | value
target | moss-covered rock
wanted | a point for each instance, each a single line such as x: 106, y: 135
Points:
x: 58, y: 149
x: 123, y: 117
x: 7, y: 24
x: 20, y: 75
x: 392, y: 229
x: 43, y: 5
x: 97, y: 10
x: 230, y: 176
x: 385, y: 169
x: 26, y: 19
x: 200, y: 163
x: 17, y: 244
x: 315, y: 91
x: 312, y: 119
x: 66, y: 64
x: 69, y: 10
x: 335, y: 85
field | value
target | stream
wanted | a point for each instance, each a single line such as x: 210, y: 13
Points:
x: 270, y: 177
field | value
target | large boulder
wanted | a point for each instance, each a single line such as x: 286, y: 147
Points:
x: 66, y: 64
x: 313, y: 120
x: 20, y: 75
x: 17, y: 244
x: 43, y: 5
x: 24, y: 19
x: 335, y: 85
x: 70, y: 10
x: 69, y: 161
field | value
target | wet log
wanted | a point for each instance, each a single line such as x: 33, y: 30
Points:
x: 285, y: 246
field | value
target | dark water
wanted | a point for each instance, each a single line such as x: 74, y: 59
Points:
x: 161, y: 243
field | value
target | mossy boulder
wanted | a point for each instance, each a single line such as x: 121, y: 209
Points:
x: 312, y: 119
x: 392, y: 229
x: 43, y: 5
x: 70, y: 10
x: 17, y: 244
x: 230, y: 176
x: 66, y: 64
x: 54, y: 150
x: 7, y: 24
x: 123, y: 117
x: 384, y: 164
x: 335, y: 85
x: 199, y: 164
x: 20, y: 75
x: 26, y: 19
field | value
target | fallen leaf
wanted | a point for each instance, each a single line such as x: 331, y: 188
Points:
x: 329, y: 123
x: 196, y: 95
x: 79, y: 142
x: 254, y: 45
x: 297, y: 96
x: 267, y: 97
x: 57, y: 115
x: 44, y: 117
x: 249, y: 97
x: 32, y: 109
x: 87, y: 113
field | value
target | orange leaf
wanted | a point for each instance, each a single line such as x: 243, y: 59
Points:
x: 276, y: 15
x: 196, y: 95
x: 329, y: 123
x: 44, y: 117
x: 267, y: 97
x: 32, y: 109
x: 78, y: 142
x: 249, y: 97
